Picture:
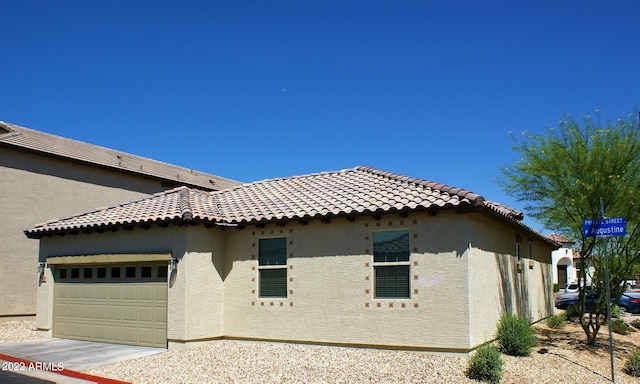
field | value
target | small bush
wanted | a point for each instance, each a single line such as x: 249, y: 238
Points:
x: 485, y: 365
x: 636, y: 323
x: 571, y: 313
x: 618, y: 326
x: 556, y: 321
x: 632, y: 366
x: 515, y: 336
x: 556, y: 288
x: 615, y: 311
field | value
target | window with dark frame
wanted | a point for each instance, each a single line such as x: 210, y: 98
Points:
x: 130, y: 272
x: 146, y: 271
x: 391, y: 264
x: 272, y: 267
x: 113, y: 272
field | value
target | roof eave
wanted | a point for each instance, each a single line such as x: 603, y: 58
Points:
x: 35, y: 233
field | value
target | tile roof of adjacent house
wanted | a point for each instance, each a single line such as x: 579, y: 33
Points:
x: 560, y: 239
x: 350, y: 192
x: 31, y: 140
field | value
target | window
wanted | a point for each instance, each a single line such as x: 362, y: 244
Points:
x: 145, y: 271
x: 87, y: 273
x: 115, y: 272
x: 518, y: 254
x: 101, y: 272
x: 391, y: 264
x: 62, y: 273
x: 518, y: 250
x: 75, y: 273
x: 130, y: 272
x: 162, y: 271
x: 272, y: 267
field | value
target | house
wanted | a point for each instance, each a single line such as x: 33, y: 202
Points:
x: 567, y: 261
x: 564, y: 271
x: 45, y: 176
x: 357, y: 257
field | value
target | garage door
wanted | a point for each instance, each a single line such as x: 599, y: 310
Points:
x: 118, y: 303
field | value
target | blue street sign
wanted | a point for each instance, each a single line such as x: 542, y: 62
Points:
x: 613, y: 226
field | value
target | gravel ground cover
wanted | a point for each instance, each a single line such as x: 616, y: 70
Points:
x: 18, y: 330
x: 560, y: 357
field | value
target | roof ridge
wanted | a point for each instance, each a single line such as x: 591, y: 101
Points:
x: 475, y: 199
x: 184, y: 204
x: 264, y: 181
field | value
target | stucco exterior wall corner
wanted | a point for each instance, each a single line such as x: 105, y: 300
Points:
x: 204, y: 288
x: 467, y: 255
x: 176, y: 306
x: 44, y: 300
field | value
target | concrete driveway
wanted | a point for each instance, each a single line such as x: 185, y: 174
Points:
x: 75, y: 354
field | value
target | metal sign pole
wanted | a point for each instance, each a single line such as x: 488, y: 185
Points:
x: 608, y: 297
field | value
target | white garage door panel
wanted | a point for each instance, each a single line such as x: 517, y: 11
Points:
x: 125, y: 306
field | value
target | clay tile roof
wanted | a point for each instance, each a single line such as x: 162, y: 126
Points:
x: 504, y: 210
x: 24, y: 138
x: 560, y: 239
x: 360, y: 190
x: 181, y: 203
x: 347, y: 192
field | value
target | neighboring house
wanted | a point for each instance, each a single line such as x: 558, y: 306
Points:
x: 564, y: 271
x: 567, y: 262
x: 357, y: 257
x: 43, y: 176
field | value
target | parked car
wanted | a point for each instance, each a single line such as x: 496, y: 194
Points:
x: 571, y: 287
x: 628, y: 302
x: 566, y: 299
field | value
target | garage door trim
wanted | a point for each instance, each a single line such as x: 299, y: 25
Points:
x: 109, y: 258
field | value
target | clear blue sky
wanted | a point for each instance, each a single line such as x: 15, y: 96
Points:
x: 252, y: 90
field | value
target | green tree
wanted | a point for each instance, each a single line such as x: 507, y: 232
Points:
x: 562, y: 176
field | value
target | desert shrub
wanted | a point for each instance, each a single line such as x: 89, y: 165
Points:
x: 618, y: 326
x: 636, y: 323
x: 515, y: 336
x: 615, y: 311
x: 571, y: 313
x: 632, y: 366
x: 556, y: 287
x: 556, y: 321
x: 485, y: 365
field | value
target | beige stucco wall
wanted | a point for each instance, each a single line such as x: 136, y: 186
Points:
x: 198, y: 291
x: 497, y: 286
x: 461, y: 283
x: 331, y: 285
x: 36, y: 188
x: 463, y: 277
